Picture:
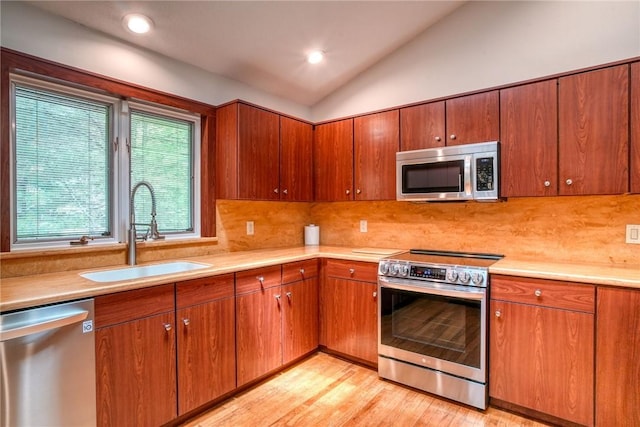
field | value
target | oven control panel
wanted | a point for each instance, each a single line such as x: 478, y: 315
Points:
x: 454, y: 274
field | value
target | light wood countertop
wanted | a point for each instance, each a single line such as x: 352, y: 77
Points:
x: 30, y: 291
x: 597, y: 274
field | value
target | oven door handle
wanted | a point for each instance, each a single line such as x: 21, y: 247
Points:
x: 468, y: 295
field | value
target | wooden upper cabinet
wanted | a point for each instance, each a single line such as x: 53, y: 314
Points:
x: 296, y: 166
x: 473, y: 118
x: 594, y: 132
x: 635, y: 127
x: 529, y: 140
x: 422, y: 126
x: 247, y: 153
x: 376, y: 141
x: 333, y: 161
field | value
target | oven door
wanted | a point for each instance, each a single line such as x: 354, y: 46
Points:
x: 438, y: 326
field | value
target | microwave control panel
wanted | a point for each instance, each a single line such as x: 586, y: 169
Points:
x: 484, y: 174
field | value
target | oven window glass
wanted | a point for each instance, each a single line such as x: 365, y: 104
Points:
x: 441, y: 327
x: 438, y: 177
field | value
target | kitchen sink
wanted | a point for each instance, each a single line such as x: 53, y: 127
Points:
x: 139, y: 272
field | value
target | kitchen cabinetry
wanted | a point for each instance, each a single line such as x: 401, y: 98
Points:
x: 541, y: 346
x: 355, y: 158
x: 594, y: 132
x: 617, y: 355
x: 349, y: 309
x: 473, y: 118
x: 206, y: 341
x: 135, y: 357
x: 456, y: 121
x: 422, y: 126
x: 635, y: 127
x: 296, y: 166
x: 333, y: 161
x: 529, y: 140
x: 261, y: 155
x: 376, y: 141
x: 300, y: 327
x: 258, y: 331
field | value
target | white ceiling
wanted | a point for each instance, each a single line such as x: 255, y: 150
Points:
x: 263, y: 43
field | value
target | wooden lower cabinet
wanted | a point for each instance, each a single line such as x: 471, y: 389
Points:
x: 136, y: 357
x: 618, y: 357
x: 349, y: 309
x: 206, y: 340
x: 542, y: 347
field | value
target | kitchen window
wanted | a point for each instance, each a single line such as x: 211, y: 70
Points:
x: 76, y: 155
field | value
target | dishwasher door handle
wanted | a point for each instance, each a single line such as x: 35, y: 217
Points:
x: 43, y: 325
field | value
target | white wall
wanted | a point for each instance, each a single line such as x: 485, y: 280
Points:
x: 27, y: 29
x: 485, y: 44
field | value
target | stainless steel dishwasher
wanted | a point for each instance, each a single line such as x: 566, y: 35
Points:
x: 47, y: 357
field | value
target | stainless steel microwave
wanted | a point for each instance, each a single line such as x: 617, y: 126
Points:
x: 459, y: 172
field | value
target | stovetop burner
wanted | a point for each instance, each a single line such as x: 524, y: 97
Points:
x: 429, y: 256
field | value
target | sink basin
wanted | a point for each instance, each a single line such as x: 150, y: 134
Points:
x: 143, y: 271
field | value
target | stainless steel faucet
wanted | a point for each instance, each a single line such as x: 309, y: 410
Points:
x: 152, y: 230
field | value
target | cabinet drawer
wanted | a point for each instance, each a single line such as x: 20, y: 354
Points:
x: 352, y: 270
x: 129, y: 305
x: 296, y: 271
x: 547, y: 293
x: 258, y: 278
x: 198, y: 291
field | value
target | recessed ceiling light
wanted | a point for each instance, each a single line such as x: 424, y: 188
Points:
x: 137, y: 23
x: 315, y: 56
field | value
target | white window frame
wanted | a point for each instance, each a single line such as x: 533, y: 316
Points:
x: 120, y: 185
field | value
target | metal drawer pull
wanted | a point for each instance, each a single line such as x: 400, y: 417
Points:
x: 261, y: 280
x: 375, y: 294
x: 167, y: 326
x: 352, y: 271
x: 186, y: 322
x: 302, y: 271
x: 278, y: 297
x: 498, y: 313
x: 538, y: 293
x: 288, y: 295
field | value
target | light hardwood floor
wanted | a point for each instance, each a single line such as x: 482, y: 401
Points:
x: 325, y: 391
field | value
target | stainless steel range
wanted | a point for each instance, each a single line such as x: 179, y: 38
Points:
x: 432, y: 329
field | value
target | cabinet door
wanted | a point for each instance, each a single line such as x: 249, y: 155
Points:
x: 635, y: 127
x: 258, y: 335
x: 349, y: 318
x: 473, y: 118
x: 333, y: 161
x: 542, y: 359
x: 206, y: 353
x: 299, y: 319
x: 422, y: 126
x: 617, y: 356
x: 258, y: 154
x: 376, y: 141
x: 529, y: 140
x: 136, y: 372
x: 296, y: 166
x: 594, y: 132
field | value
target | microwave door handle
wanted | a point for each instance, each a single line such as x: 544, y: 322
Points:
x: 467, y: 174
x: 468, y: 295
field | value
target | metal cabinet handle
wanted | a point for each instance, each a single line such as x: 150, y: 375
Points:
x: 452, y: 137
x: 348, y: 192
x: 186, y: 322
x: 437, y: 138
x: 275, y: 190
x: 167, y: 326
x: 538, y: 293
x: 285, y: 191
x: 375, y: 294
x: 569, y: 181
x: 288, y: 295
x: 358, y: 191
x: 498, y: 313
x: 278, y: 297
x: 352, y: 271
x: 302, y: 271
x: 260, y: 279
x: 547, y: 184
